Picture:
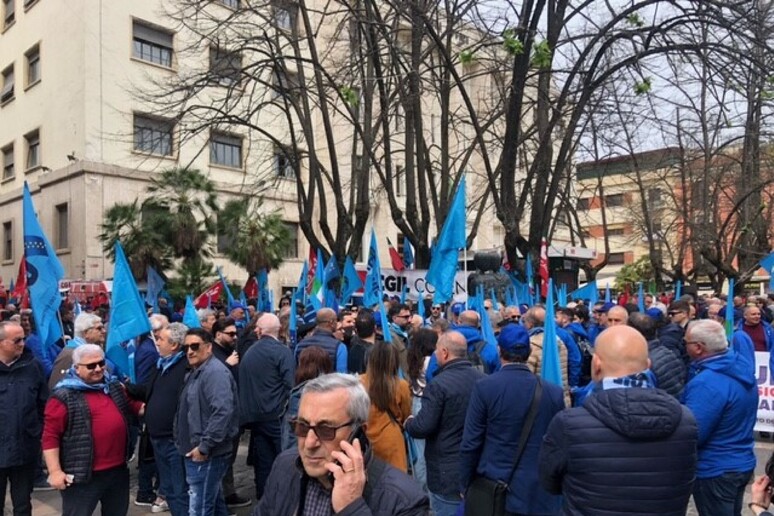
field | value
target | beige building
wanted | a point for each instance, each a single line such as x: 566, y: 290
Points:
x: 73, y: 125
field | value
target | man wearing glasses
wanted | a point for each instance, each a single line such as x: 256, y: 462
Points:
x: 327, y: 474
x: 671, y: 335
x: 86, y: 436
x: 22, y: 398
x: 88, y: 330
x: 206, y: 424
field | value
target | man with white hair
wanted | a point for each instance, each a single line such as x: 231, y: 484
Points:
x: 86, y: 436
x: 333, y: 469
x: 722, y: 393
x: 88, y: 330
x: 207, y: 318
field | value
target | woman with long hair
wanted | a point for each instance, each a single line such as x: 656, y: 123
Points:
x: 422, y: 348
x: 314, y: 361
x: 390, y: 405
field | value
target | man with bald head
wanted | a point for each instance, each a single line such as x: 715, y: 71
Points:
x: 617, y: 316
x: 442, y: 418
x: 630, y: 447
x: 322, y: 336
x: 265, y: 379
x: 482, y: 354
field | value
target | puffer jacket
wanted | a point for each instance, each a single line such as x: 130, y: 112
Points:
x: 625, y: 451
x: 441, y: 422
x: 669, y: 370
x: 535, y: 362
x: 723, y: 395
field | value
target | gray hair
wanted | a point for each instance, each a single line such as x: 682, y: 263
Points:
x: 177, y: 333
x: 84, y: 321
x: 359, y: 403
x: 4, y: 327
x: 204, y: 313
x: 86, y: 349
x: 158, y: 321
x: 710, y: 333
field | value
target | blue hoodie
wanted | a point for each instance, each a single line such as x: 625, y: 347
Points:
x: 489, y: 354
x: 723, y: 397
x: 573, y: 356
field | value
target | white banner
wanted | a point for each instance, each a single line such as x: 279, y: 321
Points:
x: 393, y: 282
x: 765, y: 422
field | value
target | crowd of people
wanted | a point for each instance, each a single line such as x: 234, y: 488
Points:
x: 654, y: 407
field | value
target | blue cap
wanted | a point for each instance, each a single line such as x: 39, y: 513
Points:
x: 604, y: 308
x: 514, y: 338
x: 458, y: 308
x: 234, y: 306
x: 654, y: 313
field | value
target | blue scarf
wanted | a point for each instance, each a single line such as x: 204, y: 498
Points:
x: 643, y: 380
x: 165, y: 363
x: 74, y: 343
x: 400, y: 331
x: 74, y: 382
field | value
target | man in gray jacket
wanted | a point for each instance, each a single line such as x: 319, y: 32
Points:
x: 333, y: 470
x: 205, y: 424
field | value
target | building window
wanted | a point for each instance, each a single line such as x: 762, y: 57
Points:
x: 614, y: 232
x: 584, y: 204
x: 284, y: 17
x: 153, y: 135
x: 29, y: 3
x: 226, y: 150
x: 400, y: 181
x: 152, y: 44
x: 8, y: 167
x: 285, y: 84
x: 33, y: 149
x: 225, y: 66
x: 616, y: 259
x: 614, y: 200
x: 9, y: 12
x: 234, y: 4
x: 7, y: 241
x: 33, y: 65
x: 283, y: 164
x: 291, y: 251
x: 7, y: 94
x: 62, y: 227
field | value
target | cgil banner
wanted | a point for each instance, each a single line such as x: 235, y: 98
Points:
x: 765, y: 422
x: 393, y: 283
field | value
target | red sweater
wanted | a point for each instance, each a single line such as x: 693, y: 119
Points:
x: 108, y: 431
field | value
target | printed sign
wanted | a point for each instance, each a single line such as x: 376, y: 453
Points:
x: 765, y: 422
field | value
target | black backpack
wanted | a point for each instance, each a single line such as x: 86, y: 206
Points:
x: 587, y: 352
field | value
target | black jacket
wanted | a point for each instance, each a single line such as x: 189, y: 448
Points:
x: 668, y: 368
x: 162, y: 396
x: 23, y: 394
x: 671, y: 337
x: 266, y: 376
x: 357, y: 358
x: 625, y: 451
x: 441, y: 422
x: 389, y: 492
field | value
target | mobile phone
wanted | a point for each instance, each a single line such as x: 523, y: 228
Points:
x: 357, y: 433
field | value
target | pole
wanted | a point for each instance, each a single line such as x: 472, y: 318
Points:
x: 465, y: 269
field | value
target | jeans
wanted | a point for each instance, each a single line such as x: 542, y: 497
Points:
x: 171, y: 475
x: 721, y: 496
x: 109, y: 488
x: 21, y: 478
x: 205, y: 493
x: 445, y: 505
x: 420, y: 466
x: 265, y: 445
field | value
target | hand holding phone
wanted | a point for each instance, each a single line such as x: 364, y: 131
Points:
x: 348, y: 471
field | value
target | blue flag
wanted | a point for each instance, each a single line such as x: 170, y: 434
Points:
x: 421, y: 305
x: 350, y: 281
x: 487, y: 332
x: 767, y: 263
x: 551, y: 370
x: 588, y: 291
x: 509, y: 297
x: 443, y: 264
x: 229, y: 295
x: 154, y: 288
x: 607, y: 293
x: 300, y: 292
x: 408, y: 253
x: 529, y: 274
x: 264, y: 299
x: 331, y: 270
x: 190, y: 318
x: 242, y: 297
x: 404, y: 294
x: 127, y: 314
x: 43, y: 274
x: 678, y: 289
x: 293, y: 323
x: 641, y: 298
x: 730, y: 309
x: 372, y: 290
x: 493, y: 297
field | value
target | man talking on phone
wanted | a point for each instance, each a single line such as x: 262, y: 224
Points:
x: 333, y: 470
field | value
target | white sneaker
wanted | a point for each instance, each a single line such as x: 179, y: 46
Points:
x: 160, y: 506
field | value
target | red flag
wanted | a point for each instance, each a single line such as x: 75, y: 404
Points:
x: 543, y: 271
x: 397, y: 262
x: 312, y: 270
x: 251, y: 288
x: 207, y: 297
x: 21, y: 280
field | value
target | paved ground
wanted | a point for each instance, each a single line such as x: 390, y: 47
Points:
x: 48, y: 503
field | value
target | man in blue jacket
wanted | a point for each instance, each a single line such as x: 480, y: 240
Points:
x: 496, y: 414
x: 723, y: 395
x: 442, y: 418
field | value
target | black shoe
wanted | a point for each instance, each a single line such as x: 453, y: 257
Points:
x: 145, y: 500
x: 235, y: 500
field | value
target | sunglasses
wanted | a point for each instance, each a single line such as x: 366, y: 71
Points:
x: 323, y: 432
x: 674, y: 312
x: 229, y: 333
x: 193, y: 347
x: 94, y: 365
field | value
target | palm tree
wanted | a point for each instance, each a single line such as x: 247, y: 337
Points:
x: 256, y: 240
x: 142, y: 237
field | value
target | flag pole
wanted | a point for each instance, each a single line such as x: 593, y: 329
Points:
x: 465, y: 269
